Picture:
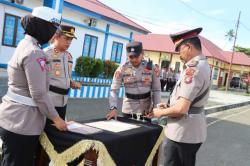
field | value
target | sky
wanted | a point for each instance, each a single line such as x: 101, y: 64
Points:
x: 216, y: 17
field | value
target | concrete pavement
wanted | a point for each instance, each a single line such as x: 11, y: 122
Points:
x: 228, y: 141
x: 85, y: 109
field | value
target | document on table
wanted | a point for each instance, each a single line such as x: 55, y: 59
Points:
x: 82, y: 128
x: 113, y: 125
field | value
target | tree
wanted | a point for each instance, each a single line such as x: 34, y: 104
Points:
x: 109, y: 68
x: 230, y: 35
x: 242, y: 49
x: 97, y: 68
x: 84, y: 66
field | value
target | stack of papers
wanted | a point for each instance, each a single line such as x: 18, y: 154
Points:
x: 81, y: 128
x: 112, y: 125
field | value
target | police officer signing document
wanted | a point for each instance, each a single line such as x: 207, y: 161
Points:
x: 27, y: 104
x: 141, y: 81
x: 186, y: 125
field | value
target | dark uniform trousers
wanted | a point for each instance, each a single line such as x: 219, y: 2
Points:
x: 18, y: 150
x: 180, y: 154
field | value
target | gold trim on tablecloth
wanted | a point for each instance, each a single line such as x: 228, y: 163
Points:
x: 61, y: 159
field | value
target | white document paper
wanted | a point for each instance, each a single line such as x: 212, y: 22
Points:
x: 113, y: 125
x: 81, y: 128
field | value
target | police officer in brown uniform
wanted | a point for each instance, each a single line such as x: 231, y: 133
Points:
x: 27, y: 104
x: 141, y: 81
x: 60, y: 63
x: 186, y: 125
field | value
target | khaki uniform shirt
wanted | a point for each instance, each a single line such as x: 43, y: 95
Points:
x: 194, y: 80
x: 28, y: 77
x: 60, y: 64
x: 136, y: 81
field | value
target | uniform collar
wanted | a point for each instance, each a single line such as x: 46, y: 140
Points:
x: 52, y: 46
x: 142, y: 64
x: 32, y: 39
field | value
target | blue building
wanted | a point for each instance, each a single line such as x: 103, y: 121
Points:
x: 101, y: 31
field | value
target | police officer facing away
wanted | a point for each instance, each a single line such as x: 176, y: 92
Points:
x: 27, y: 104
x: 60, y: 63
x: 141, y: 82
x: 186, y: 125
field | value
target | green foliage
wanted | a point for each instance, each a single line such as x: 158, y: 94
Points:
x: 109, y: 68
x: 97, y: 68
x: 84, y: 66
x: 242, y: 49
x: 89, y: 67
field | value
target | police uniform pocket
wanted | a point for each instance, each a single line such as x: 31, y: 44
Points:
x: 128, y: 79
x: 56, y: 67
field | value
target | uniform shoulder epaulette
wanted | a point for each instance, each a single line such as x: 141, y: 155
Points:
x: 69, y: 55
x: 193, y: 63
x: 126, y: 64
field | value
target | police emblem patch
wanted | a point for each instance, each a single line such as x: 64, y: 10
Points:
x: 42, y: 63
x: 117, y: 74
x: 189, y: 74
x: 188, y: 79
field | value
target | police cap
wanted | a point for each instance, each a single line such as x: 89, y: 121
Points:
x: 134, y: 48
x: 180, y: 37
x: 67, y: 30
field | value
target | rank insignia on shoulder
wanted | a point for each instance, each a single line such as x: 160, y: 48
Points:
x: 69, y: 55
x: 193, y: 63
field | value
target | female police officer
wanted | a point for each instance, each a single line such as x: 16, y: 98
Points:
x: 26, y: 104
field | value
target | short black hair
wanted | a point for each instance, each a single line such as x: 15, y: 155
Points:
x: 195, y: 42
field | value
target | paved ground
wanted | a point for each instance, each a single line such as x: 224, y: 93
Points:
x: 85, y: 109
x: 225, y: 98
x: 228, y: 142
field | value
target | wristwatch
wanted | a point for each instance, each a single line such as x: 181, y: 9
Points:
x: 112, y: 108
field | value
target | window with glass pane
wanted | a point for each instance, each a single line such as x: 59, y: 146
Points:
x: 12, y: 31
x: 89, y: 46
x: 177, y: 67
x: 93, y: 47
x: 113, y: 53
x: 116, y: 52
x: 215, y: 75
x: 20, y: 32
